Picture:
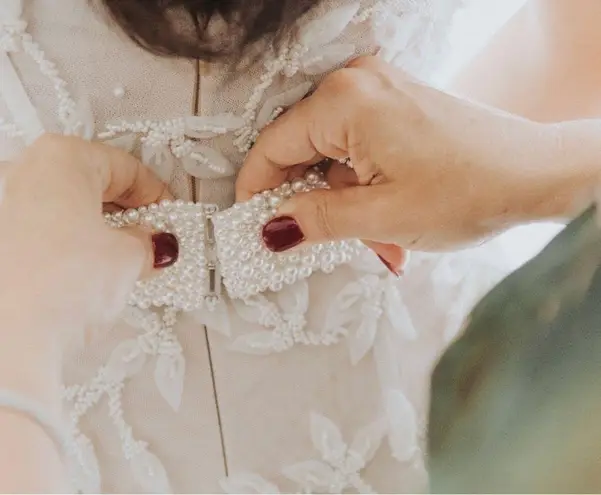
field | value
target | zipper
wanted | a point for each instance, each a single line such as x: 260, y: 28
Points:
x: 213, y: 282
x: 195, y: 111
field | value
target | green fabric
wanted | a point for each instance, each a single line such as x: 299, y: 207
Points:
x: 516, y: 400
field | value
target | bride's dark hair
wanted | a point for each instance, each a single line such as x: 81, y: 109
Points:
x: 209, y: 30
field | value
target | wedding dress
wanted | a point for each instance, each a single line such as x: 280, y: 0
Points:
x: 239, y: 371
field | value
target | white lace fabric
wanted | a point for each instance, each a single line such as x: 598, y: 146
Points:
x: 320, y: 385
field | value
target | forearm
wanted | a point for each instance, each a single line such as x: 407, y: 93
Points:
x: 543, y: 64
x: 30, y: 367
x: 574, y: 171
x: 30, y: 460
x: 30, y: 356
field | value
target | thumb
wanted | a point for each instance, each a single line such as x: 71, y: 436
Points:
x: 360, y: 212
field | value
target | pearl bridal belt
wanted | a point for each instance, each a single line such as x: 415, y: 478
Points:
x: 225, y: 249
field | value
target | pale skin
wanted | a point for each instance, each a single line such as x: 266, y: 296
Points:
x: 59, y: 239
x: 484, y: 188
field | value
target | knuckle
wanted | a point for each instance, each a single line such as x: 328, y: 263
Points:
x: 361, y: 87
x: 347, y: 82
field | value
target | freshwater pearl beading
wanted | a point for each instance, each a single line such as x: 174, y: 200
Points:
x: 248, y: 268
x: 227, y: 245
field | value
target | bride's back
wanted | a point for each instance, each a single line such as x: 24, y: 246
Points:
x: 265, y: 385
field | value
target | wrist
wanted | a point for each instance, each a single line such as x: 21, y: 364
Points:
x: 572, y: 169
x: 551, y: 171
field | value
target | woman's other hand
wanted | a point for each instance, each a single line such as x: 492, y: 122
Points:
x: 57, y: 252
x: 431, y: 171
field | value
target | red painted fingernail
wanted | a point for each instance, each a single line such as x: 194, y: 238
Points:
x: 282, y: 234
x: 166, y: 250
x: 389, y: 266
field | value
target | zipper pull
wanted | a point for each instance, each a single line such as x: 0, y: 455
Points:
x: 214, y: 277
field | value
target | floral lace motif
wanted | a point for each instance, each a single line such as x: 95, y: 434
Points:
x: 338, y: 469
x: 340, y: 465
x: 368, y: 312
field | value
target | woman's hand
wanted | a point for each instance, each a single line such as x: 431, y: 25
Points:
x: 63, y: 269
x: 434, y: 171
x: 58, y: 255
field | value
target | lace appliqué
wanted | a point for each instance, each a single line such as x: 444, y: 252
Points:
x: 180, y: 138
x: 337, y: 470
x: 157, y: 340
x: 362, y: 308
x: 15, y: 38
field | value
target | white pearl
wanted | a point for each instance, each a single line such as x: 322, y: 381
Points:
x: 275, y: 201
x: 119, y: 92
x: 265, y: 217
x: 246, y: 266
x: 313, y: 177
x: 160, y: 226
x: 147, y: 219
x: 298, y: 185
x: 132, y: 215
x: 286, y: 189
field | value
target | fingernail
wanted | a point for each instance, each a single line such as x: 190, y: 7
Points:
x: 390, y: 267
x: 166, y: 250
x: 282, y: 234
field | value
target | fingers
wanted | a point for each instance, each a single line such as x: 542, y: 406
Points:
x: 284, y: 143
x: 117, y: 176
x: 146, y: 252
x: 126, y: 181
x: 362, y: 212
x: 312, y: 129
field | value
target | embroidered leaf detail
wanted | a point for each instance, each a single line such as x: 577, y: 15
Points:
x: 282, y: 100
x: 387, y: 360
x: 169, y: 376
x: 328, y: 27
x: 310, y: 474
x: 82, y: 120
x: 398, y: 313
x: 350, y: 295
x: 249, y: 309
x: 126, y: 360
x: 216, y: 319
x: 344, y: 310
x: 394, y: 33
x: 326, y: 437
x: 206, y: 163
x: 362, y: 340
x: 258, y: 343
x: 326, y: 59
x: 160, y: 159
x: 403, y: 429
x: 209, y: 127
x: 149, y: 473
x: 367, y: 441
x: 294, y: 299
x: 247, y: 483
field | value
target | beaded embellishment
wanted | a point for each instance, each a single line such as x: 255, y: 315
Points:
x: 227, y: 245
